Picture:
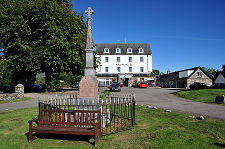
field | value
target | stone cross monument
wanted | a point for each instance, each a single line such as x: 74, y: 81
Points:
x: 89, y: 56
x: 88, y: 87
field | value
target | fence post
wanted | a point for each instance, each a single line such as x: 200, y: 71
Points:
x: 39, y: 109
x: 133, y: 102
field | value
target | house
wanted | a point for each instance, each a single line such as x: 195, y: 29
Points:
x: 220, y: 78
x: 124, y: 63
x: 184, y: 78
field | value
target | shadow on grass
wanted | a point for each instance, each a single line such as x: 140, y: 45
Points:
x: 219, y: 144
x: 61, y: 137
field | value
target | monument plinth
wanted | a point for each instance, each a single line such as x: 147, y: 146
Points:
x: 88, y: 87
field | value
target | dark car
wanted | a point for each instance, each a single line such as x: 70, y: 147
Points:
x: 7, y: 89
x: 28, y: 88
x: 75, y: 85
x: 115, y: 87
x: 197, y: 85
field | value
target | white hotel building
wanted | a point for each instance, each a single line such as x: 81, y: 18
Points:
x: 124, y: 62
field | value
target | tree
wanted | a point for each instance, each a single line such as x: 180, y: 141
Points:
x: 223, y: 68
x: 155, y: 71
x: 42, y: 36
x: 210, y: 71
x: 5, y: 73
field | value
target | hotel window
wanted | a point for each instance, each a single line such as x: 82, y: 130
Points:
x: 106, y: 59
x: 118, y: 59
x: 141, y: 59
x: 106, y: 69
x: 141, y: 50
x: 199, y: 74
x: 118, y: 69
x: 118, y: 50
x: 141, y: 69
x: 106, y: 50
x: 129, y: 50
x: 130, y: 59
x: 130, y: 69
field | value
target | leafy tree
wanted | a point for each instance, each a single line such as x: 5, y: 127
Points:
x: 5, y: 73
x: 210, y: 71
x: 155, y: 71
x: 42, y: 36
x: 223, y: 68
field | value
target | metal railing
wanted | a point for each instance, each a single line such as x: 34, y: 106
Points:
x: 117, y: 111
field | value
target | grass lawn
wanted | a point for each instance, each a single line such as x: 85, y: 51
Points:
x: 15, y: 100
x: 154, y: 129
x: 203, y: 95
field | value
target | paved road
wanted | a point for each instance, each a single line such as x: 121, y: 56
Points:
x: 161, y: 98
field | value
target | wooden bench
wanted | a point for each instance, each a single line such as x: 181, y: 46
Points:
x: 73, y: 122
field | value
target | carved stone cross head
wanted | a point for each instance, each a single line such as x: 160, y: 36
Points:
x: 89, y: 12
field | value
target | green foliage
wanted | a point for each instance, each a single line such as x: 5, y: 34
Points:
x: 104, y: 95
x: 210, y: 71
x: 223, y: 68
x: 5, y: 73
x: 42, y: 36
x: 97, y: 60
x: 155, y: 71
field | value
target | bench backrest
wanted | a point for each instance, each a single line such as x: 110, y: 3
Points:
x: 69, y: 117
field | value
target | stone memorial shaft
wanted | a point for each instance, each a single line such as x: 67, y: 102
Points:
x: 88, y: 87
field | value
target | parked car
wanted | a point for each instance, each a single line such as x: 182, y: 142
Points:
x: 34, y: 88
x: 143, y: 85
x: 115, y: 87
x: 198, y: 85
x: 75, y: 85
x: 7, y: 89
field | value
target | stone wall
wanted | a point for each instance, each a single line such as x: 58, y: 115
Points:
x: 19, y: 93
x: 4, y: 97
x: 200, y: 79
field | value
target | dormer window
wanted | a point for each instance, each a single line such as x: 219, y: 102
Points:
x: 118, y: 50
x: 106, y: 50
x: 141, y: 50
x: 129, y: 50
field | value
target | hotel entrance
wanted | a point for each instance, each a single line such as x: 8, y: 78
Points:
x: 125, y: 79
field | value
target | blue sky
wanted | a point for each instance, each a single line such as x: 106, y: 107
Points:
x: 182, y: 33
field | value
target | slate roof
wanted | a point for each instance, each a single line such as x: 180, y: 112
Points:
x: 112, y: 48
x: 175, y: 75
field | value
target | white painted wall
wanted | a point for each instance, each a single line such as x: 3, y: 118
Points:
x: 184, y: 74
x: 220, y: 79
x: 124, y: 63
